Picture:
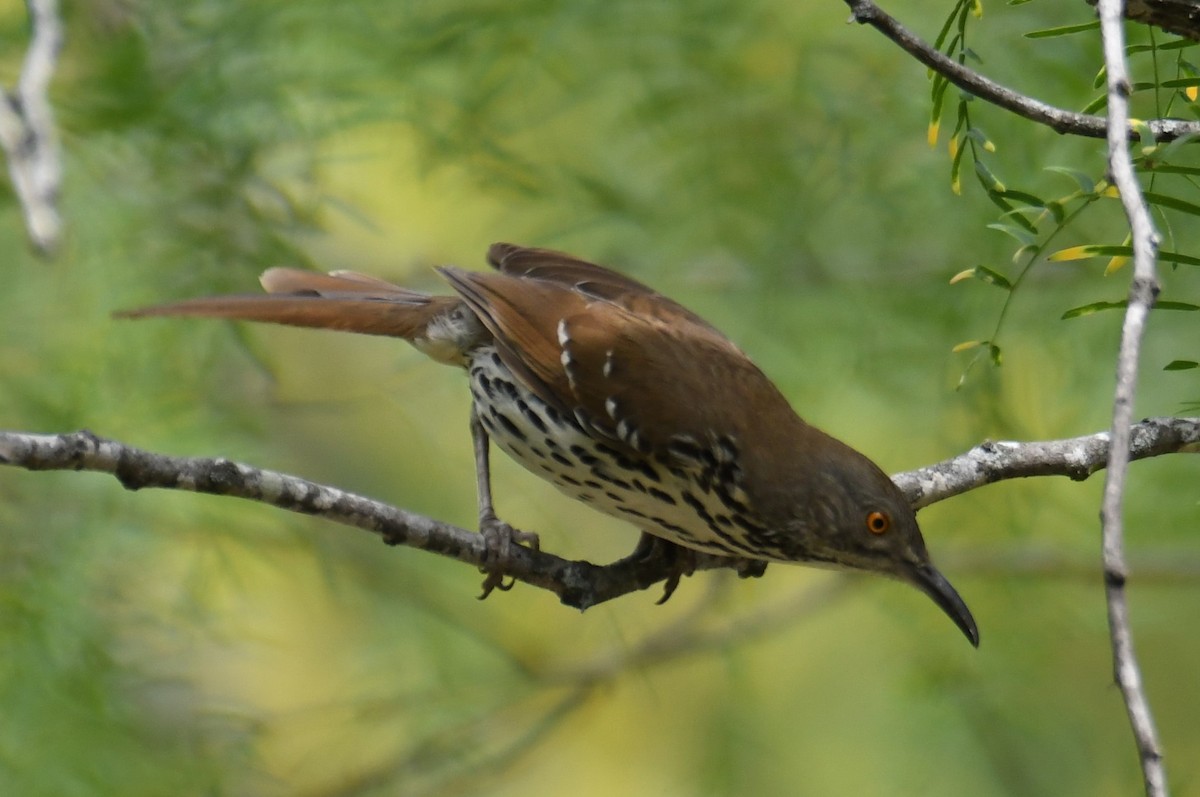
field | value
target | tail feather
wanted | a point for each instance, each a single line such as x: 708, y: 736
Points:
x: 342, y: 301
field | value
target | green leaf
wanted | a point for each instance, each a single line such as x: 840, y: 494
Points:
x: 941, y: 37
x: 981, y: 139
x: 1096, y: 307
x: 1089, y: 309
x: 1180, y: 83
x: 987, y: 179
x: 1095, y: 105
x: 1176, y: 257
x: 1063, y: 30
x: 1167, y: 168
x: 1178, y: 44
x: 1025, y: 198
x: 1105, y: 250
x: 1057, y: 211
x: 956, y: 169
x: 1012, y: 213
x: 1020, y: 233
x: 1181, y: 365
x: 1084, y: 180
x: 1163, y: 200
x: 985, y: 274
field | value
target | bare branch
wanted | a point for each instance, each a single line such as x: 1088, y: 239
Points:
x: 1059, y: 120
x: 576, y: 583
x: 27, y: 131
x: 1142, y: 294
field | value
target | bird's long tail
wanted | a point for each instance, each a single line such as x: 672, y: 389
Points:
x: 341, y: 300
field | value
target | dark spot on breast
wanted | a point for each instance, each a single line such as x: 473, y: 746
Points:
x: 510, y: 427
x: 531, y: 416
x: 584, y: 455
x: 663, y: 496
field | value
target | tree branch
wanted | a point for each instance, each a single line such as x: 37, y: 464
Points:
x: 867, y: 12
x: 27, y: 132
x: 576, y: 583
x: 1142, y: 293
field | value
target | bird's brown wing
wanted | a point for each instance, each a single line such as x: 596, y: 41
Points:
x: 588, y: 279
x: 653, y: 381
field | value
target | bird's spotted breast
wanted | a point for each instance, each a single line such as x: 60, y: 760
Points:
x: 681, y: 495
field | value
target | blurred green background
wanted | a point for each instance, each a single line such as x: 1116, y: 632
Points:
x: 762, y: 162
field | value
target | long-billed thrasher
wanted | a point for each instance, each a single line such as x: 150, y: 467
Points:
x: 628, y: 402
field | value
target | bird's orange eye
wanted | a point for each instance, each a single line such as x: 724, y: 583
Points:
x: 878, y: 522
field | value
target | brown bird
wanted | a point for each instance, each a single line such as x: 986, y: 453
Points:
x: 626, y: 401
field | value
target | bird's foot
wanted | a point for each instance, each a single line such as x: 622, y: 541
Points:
x: 750, y: 568
x: 499, y: 538
x: 678, y: 560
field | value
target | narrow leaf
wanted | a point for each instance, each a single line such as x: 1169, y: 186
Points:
x: 1174, y: 203
x: 1168, y: 168
x: 1097, y: 307
x: 988, y: 179
x: 941, y: 37
x: 1091, y: 250
x: 1063, y: 30
x: 981, y: 139
x: 1020, y: 233
x: 991, y: 277
x: 1089, y: 309
x: 1176, y: 257
x: 967, y: 345
x: 1025, y: 198
x: 1181, y: 365
x: 1084, y: 180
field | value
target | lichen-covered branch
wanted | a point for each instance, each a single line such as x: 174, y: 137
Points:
x: 27, y: 132
x: 1076, y: 458
x: 1142, y: 293
x: 576, y: 583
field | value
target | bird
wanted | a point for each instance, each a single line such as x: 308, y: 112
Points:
x: 626, y: 401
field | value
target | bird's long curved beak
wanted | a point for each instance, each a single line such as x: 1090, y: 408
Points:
x: 927, y: 578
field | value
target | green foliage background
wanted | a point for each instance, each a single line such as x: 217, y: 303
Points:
x: 762, y: 162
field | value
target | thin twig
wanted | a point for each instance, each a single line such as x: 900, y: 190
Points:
x: 576, y: 583
x: 1142, y: 294
x: 868, y: 13
x: 27, y: 132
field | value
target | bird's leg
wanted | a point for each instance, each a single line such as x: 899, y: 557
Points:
x: 498, y: 535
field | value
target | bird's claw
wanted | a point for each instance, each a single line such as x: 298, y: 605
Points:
x: 678, y: 560
x: 499, y: 538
